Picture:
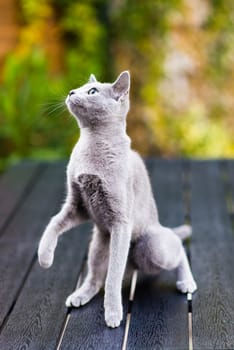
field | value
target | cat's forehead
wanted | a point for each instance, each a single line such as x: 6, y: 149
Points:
x: 96, y: 84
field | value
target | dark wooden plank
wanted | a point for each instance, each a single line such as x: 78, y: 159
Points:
x: 19, y: 243
x: 38, y: 316
x: 229, y: 169
x: 15, y: 184
x: 159, y: 312
x: 212, y: 260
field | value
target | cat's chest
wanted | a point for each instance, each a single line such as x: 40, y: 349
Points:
x: 97, y: 158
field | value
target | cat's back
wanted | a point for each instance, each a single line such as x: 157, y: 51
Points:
x: 145, y: 210
x: 139, y: 174
x: 138, y: 170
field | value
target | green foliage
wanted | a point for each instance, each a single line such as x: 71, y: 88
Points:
x: 29, y: 127
x: 193, y: 133
x: 85, y: 41
x: 220, y: 25
x: 104, y: 37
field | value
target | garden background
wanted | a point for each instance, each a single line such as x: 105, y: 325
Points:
x: 180, y: 54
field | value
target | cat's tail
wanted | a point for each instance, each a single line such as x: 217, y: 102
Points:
x: 183, y: 231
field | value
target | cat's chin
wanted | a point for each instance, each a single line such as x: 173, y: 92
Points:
x: 71, y: 107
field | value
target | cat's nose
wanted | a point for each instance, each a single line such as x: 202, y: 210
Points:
x: 72, y: 92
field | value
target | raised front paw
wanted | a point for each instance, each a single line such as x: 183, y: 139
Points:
x: 45, y: 258
x: 113, y: 317
x: 186, y: 286
x: 46, y: 252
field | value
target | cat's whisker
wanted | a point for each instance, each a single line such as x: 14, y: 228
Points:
x: 56, y: 105
x: 58, y: 110
x: 50, y: 109
x: 52, y: 104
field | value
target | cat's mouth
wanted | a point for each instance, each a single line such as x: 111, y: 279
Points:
x: 73, y: 100
x: 74, y: 104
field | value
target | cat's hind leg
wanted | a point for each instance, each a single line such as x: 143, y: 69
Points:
x: 97, y: 268
x: 160, y: 248
x: 185, y: 281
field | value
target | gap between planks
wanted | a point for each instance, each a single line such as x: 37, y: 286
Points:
x: 69, y: 309
x: 18, y: 292
x: 190, y: 320
x: 131, y: 298
x: 187, y: 203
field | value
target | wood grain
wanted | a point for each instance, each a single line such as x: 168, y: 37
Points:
x: 15, y: 184
x: 19, y: 243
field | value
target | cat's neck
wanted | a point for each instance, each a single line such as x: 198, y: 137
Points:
x: 112, y: 133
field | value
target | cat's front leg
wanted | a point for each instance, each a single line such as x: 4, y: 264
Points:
x: 119, y: 248
x: 97, y: 267
x: 61, y: 222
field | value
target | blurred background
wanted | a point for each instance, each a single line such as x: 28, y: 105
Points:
x: 180, y: 54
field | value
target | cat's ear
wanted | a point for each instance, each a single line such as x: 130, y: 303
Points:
x: 92, y: 79
x: 122, y: 84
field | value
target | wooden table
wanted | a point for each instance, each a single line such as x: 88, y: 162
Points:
x: 32, y: 300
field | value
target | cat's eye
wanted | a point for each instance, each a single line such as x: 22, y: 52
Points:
x: 92, y: 91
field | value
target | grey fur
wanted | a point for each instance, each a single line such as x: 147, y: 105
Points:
x: 108, y: 183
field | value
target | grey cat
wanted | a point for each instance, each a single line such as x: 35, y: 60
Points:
x: 107, y: 182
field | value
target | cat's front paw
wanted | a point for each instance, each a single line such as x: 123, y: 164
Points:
x: 186, y: 286
x: 79, y: 298
x: 45, y: 259
x: 46, y: 252
x: 113, y: 317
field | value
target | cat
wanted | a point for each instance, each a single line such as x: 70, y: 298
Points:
x: 107, y: 182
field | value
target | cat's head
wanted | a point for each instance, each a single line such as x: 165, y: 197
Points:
x: 97, y: 104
